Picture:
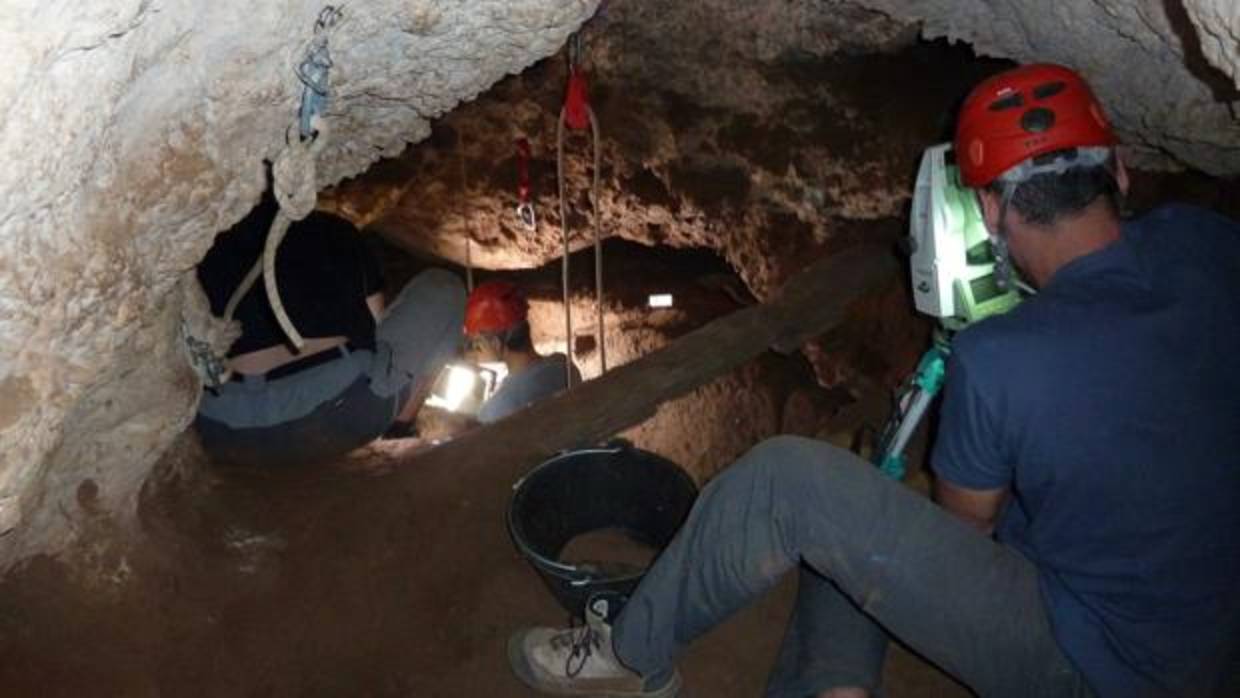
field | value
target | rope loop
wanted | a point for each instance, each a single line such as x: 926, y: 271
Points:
x: 295, y: 185
x: 295, y: 171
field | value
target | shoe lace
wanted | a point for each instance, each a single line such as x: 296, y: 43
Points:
x: 582, y: 640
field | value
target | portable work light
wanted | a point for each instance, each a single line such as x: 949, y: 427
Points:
x: 462, y: 387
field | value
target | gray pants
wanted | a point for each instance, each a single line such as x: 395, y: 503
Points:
x: 874, y: 558
x: 337, y: 406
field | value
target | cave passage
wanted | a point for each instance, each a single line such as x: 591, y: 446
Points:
x: 387, y: 572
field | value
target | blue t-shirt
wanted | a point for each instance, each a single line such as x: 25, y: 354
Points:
x: 1110, y: 405
x: 539, y: 380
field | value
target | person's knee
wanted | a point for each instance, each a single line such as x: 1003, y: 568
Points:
x: 433, y: 301
x: 795, y: 463
x: 783, y: 446
x: 441, y: 288
x: 787, y: 454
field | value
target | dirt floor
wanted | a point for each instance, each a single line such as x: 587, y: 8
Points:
x: 378, y: 575
x: 313, y: 583
x: 381, y: 575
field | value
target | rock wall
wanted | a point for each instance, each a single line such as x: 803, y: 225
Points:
x: 761, y: 131
x: 132, y: 132
x: 776, y: 133
x: 771, y: 131
x: 701, y: 431
x: 1166, y: 69
x: 1218, y: 30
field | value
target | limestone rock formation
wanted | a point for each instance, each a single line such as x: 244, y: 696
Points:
x: 760, y: 131
x: 1218, y: 29
x: 771, y: 132
x: 1166, y: 69
x: 826, y: 107
x: 134, y: 131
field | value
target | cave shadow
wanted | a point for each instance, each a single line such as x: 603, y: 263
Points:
x: 1221, y: 87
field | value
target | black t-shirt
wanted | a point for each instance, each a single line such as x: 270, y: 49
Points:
x: 323, y: 269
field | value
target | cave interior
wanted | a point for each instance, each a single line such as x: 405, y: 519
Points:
x: 727, y: 164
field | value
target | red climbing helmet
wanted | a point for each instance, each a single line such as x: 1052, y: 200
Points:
x: 1023, y: 113
x: 494, y: 306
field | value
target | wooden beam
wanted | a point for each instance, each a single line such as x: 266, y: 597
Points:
x: 421, y: 556
x: 812, y: 302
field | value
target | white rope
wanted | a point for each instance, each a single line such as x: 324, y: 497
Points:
x: 294, y: 170
x: 296, y: 191
x: 568, y: 309
x: 598, y: 246
x: 238, y: 293
x: 295, y: 187
x: 469, y: 230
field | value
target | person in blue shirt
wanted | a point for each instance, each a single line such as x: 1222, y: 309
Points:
x: 497, y: 329
x: 1085, y: 534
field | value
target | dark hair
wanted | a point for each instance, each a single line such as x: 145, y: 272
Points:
x: 1045, y: 198
x: 518, y: 338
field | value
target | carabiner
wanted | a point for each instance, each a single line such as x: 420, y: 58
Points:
x: 525, y: 209
x: 525, y: 212
x: 574, y: 51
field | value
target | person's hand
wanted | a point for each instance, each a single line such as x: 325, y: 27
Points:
x: 435, y: 425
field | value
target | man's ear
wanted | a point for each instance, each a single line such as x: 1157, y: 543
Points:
x: 989, y: 203
x: 1121, y: 174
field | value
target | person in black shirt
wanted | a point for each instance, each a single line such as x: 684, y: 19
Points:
x: 365, y: 365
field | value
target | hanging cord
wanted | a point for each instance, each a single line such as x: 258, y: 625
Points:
x: 297, y: 192
x: 577, y: 114
x: 295, y: 172
x: 295, y: 187
x: 525, y: 204
x: 468, y: 220
x: 568, y: 309
x: 295, y: 204
x: 598, y: 249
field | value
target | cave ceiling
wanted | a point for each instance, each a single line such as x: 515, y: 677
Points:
x: 775, y: 132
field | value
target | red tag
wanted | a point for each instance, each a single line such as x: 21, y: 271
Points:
x: 523, y: 170
x: 577, y: 102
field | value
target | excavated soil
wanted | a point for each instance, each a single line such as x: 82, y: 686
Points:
x: 366, y: 577
x: 610, y: 551
x: 259, y: 583
x: 332, y: 581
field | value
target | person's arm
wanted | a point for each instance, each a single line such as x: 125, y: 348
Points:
x: 376, y: 304
x: 372, y: 279
x: 972, y: 467
x: 978, y: 508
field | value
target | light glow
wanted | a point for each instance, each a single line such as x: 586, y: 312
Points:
x: 455, y: 385
x: 661, y: 300
x: 463, y: 387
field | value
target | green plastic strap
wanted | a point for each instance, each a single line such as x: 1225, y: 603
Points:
x: 893, y: 466
x: 932, y: 370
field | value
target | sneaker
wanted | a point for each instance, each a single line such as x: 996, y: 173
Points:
x: 580, y: 661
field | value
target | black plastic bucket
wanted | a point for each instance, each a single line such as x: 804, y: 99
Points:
x: 624, y: 489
